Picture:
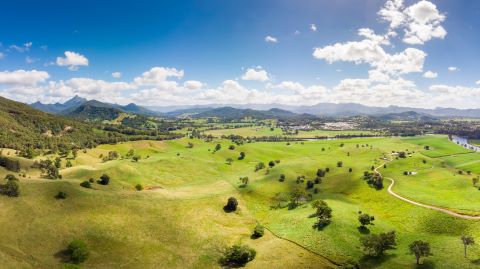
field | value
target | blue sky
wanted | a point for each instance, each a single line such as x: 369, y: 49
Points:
x: 212, y: 44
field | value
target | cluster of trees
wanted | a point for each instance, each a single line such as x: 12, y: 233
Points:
x: 373, y: 179
x: 112, y: 155
x: 10, y: 164
x: 11, y: 187
x: 48, y: 168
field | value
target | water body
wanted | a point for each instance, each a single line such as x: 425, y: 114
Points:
x: 462, y: 141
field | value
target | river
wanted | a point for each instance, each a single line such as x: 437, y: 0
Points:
x: 462, y: 141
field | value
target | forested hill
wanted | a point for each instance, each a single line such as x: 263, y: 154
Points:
x: 24, y: 127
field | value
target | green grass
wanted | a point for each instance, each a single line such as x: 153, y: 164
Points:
x: 181, y: 224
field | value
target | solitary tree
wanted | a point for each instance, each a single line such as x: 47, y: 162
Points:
x: 231, y: 205
x: 323, y: 213
x: 78, y: 251
x: 467, y: 240
x: 237, y: 256
x: 104, y: 179
x: 271, y: 164
x: 420, y: 249
x: 244, y: 180
x: 365, y: 219
x: 242, y: 156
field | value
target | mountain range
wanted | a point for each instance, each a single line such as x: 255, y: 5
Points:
x: 83, y: 108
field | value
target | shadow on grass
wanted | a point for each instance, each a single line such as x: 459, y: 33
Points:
x: 426, y: 264
x: 363, y: 230
x: 228, y: 209
x: 372, y: 262
x: 476, y: 261
x: 63, y: 256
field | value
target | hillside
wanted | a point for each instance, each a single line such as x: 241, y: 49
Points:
x: 230, y: 113
x: 23, y: 126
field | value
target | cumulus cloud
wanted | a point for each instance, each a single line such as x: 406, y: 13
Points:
x: 257, y: 74
x: 453, y: 68
x: 313, y: 27
x: 23, y: 77
x: 116, y: 74
x: 158, y: 75
x: 288, y: 85
x: 370, y: 51
x: 72, y: 60
x: 271, y: 39
x: 421, y: 21
x: 478, y: 82
x: 193, y: 84
x: 430, y: 74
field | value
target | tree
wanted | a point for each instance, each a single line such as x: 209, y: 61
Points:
x: 296, y: 195
x: 475, y: 180
x: 350, y: 170
x: 68, y: 164
x: 376, y: 244
x: 323, y: 213
x: 244, y: 180
x: 282, y: 178
x: 259, y: 166
x: 467, y: 241
x: 130, y: 154
x: 237, y: 256
x: 11, y: 188
x: 231, y: 205
x: 231, y: 147
x: 229, y: 161
x: 258, y: 232
x: 78, y: 251
x: 86, y: 184
x: 58, y: 162
x: 310, y: 184
x: 320, y: 173
x: 271, y: 164
x: 136, y: 158
x: 104, y: 179
x: 139, y: 187
x: 190, y: 145
x: 218, y: 147
x: 365, y: 219
x: 339, y: 164
x: 420, y: 249
x: 242, y: 156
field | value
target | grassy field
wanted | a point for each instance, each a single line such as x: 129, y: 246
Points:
x: 259, y: 131
x: 180, y: 223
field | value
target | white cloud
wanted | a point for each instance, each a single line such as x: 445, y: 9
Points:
x: 430, y: 74
x: 158, y: 76
x: 73, y: 60
x: 478, y: 82
x: 453, y: 68
x: 313, y: 27
x: 421, y: 21
x: 296, y: 32
x: 257, y: 74
x: 193, y: 84
x: 2, y: 55
x: 271, y: 39
x: 22, y: 77
x: 288, y: 85
x: 30, y: 60
x: 116, y: 74
x: 22, y: 48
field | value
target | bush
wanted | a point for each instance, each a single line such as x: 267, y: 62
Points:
x: 61, y: 195
x: 104, y: 179
x: 237, y: 255
x: 139, y: 187
x: 78, y: 251
x: 11, y: 188
x: 231, y: 147
x: 91, y: 180
x: 231, y: 205
x: 282, y: 178
x: 86, y: 184
x: 258, y: 232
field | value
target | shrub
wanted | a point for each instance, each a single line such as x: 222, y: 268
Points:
x: 282, y: 178
x: 61, y: 195
x: 271, y: 164
x: 78, y: 251
x: 231, y: 205
x: 86, y: 184
x: 91, y: 180
x: 231, y: 147
x: 258, y: 232
x: 139, y: 187
x: 339, y: 164
x: 11, y: 188
x: 237, y: 255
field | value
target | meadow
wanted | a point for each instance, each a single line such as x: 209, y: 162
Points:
x: 177, y: 221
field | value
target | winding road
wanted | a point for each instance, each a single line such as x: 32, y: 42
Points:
x: 440, y: 209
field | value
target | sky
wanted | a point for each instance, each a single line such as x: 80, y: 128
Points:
x: 166, y: 53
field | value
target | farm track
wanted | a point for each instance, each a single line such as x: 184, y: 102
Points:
x: 432, y: 207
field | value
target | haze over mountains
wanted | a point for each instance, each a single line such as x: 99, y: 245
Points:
x: 81, y: 106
